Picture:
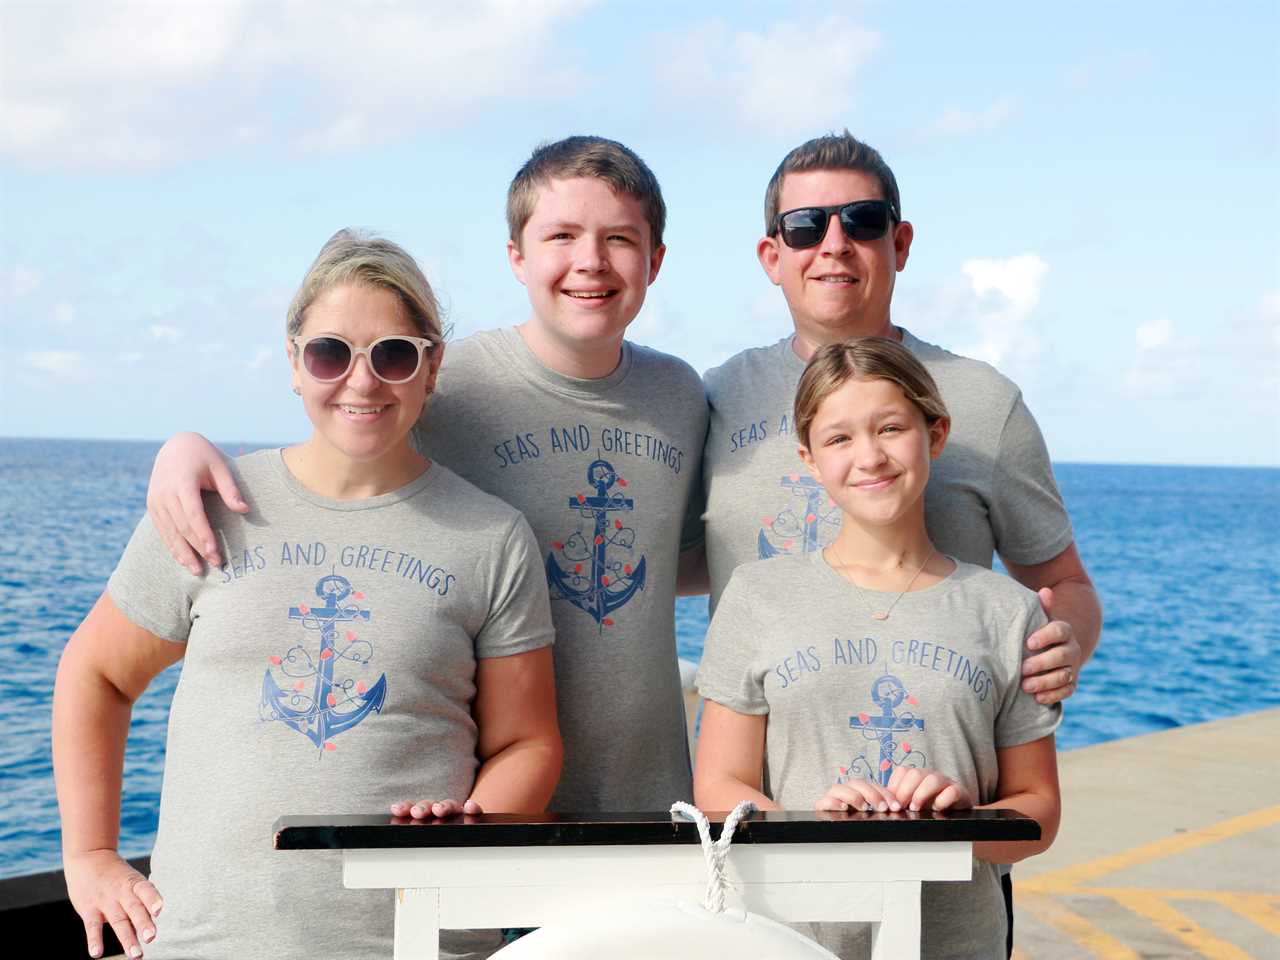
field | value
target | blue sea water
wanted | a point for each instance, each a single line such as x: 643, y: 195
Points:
x: 1187, y: 560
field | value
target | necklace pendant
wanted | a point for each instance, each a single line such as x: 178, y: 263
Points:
x: 879, y: 616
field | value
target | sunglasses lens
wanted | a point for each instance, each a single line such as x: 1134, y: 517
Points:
x: 865, y: 220
x: 326, y: 358
x: 803, y: 228
x: 395, y: 359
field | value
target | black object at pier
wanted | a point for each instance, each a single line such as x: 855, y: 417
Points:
x: 569, y: 829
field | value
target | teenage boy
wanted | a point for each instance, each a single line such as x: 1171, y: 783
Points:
x: 596, y: 440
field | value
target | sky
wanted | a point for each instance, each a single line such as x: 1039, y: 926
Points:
x: 1094, y: 190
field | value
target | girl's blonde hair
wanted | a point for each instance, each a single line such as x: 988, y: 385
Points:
x: 865, y: 358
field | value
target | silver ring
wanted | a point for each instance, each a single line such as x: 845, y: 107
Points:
x: 1071, y: 676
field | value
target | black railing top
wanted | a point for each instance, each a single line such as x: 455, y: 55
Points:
x: 597, y: 829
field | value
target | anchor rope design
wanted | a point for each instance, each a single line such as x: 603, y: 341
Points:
x: 595, y: 582
x: 322, y: 713
x: 715, y: 853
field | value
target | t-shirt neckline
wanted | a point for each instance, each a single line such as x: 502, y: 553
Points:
x: 833, y: 576
x: 398, y: 495
x: 527, y: 362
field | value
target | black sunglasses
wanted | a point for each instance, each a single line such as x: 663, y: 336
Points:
x: 860, y: 220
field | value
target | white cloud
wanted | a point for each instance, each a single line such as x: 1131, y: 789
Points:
x: 1111, y: 70
x: 966, y: 123
x: 1164, y: 360
x: 1236, y: 359
x: 260, y: 357
x: 758, y: 81
x: 133, y: 85
x: 23, y: 280
x: 64, y: 314
x: 163, y: 333
x: 1006, y: 293
x: 65, y: 364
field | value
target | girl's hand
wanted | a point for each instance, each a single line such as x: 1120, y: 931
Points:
x: 862, y: 795
x: 102, y: 886
x: 426, y: 809
x: 919, y: 788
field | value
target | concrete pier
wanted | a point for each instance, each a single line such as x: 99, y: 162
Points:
x: 1169, y: 847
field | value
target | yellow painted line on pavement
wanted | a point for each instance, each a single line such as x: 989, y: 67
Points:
x: 1071, y: 877
x: 1094, y: 939
x: 1258, y: 908
x: 1178, y: 924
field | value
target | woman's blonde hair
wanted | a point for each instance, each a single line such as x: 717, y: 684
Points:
x: 865, y: 358
x: 352, y: 256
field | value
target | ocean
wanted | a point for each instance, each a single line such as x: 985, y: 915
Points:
x: 1186, y: 559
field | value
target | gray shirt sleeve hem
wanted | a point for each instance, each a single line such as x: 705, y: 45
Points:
x: 140, y: 619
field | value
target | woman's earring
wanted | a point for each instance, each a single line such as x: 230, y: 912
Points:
x: 297, y: 390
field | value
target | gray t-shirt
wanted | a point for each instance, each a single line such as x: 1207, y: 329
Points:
x: 992, y: 490
x: 329, y: 669
x: 848, y: 697
x: 607, y: 473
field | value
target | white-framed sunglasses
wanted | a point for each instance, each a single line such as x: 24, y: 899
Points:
x: 329, y: 357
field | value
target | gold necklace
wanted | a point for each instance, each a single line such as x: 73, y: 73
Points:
x: 884, y: 615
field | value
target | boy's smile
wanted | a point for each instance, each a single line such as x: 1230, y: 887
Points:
x: 587, y: 259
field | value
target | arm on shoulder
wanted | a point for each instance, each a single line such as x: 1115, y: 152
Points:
x: 186, y: 465
x: 1062, y: 646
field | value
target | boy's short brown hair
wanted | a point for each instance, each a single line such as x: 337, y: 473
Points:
x: 607, y: 160
x: 835, y: 151
x: 865, y: 358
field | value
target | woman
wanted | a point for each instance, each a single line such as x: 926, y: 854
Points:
x: 879, y: 674
x: 379, y: 634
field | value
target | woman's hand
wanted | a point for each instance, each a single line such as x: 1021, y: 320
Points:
x: 861, y: 795
x: 186, y: 465
x: 919, y: 788
x: 103, y: 887
x: 426, y: 809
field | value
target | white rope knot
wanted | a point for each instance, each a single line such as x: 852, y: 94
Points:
x: 715, y: 853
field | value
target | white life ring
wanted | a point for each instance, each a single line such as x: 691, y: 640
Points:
x: 671, y: 929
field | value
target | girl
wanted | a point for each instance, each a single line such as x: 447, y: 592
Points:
x: 879, y: 674
x: 380, y: 632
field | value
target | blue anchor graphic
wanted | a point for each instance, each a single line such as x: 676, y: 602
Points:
x: 813, y: 493
x: 888, y: 692
x: 610, y: 584
x: 320, y: 716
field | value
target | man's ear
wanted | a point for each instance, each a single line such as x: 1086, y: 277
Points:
x: 767, y: 254
x: 903, y: 234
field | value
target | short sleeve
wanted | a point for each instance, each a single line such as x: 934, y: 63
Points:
x: 152, y: 589
x: 1028, y: 518
x: 1021, y: 719
x: 729, y: 673
x: 519, y: 617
